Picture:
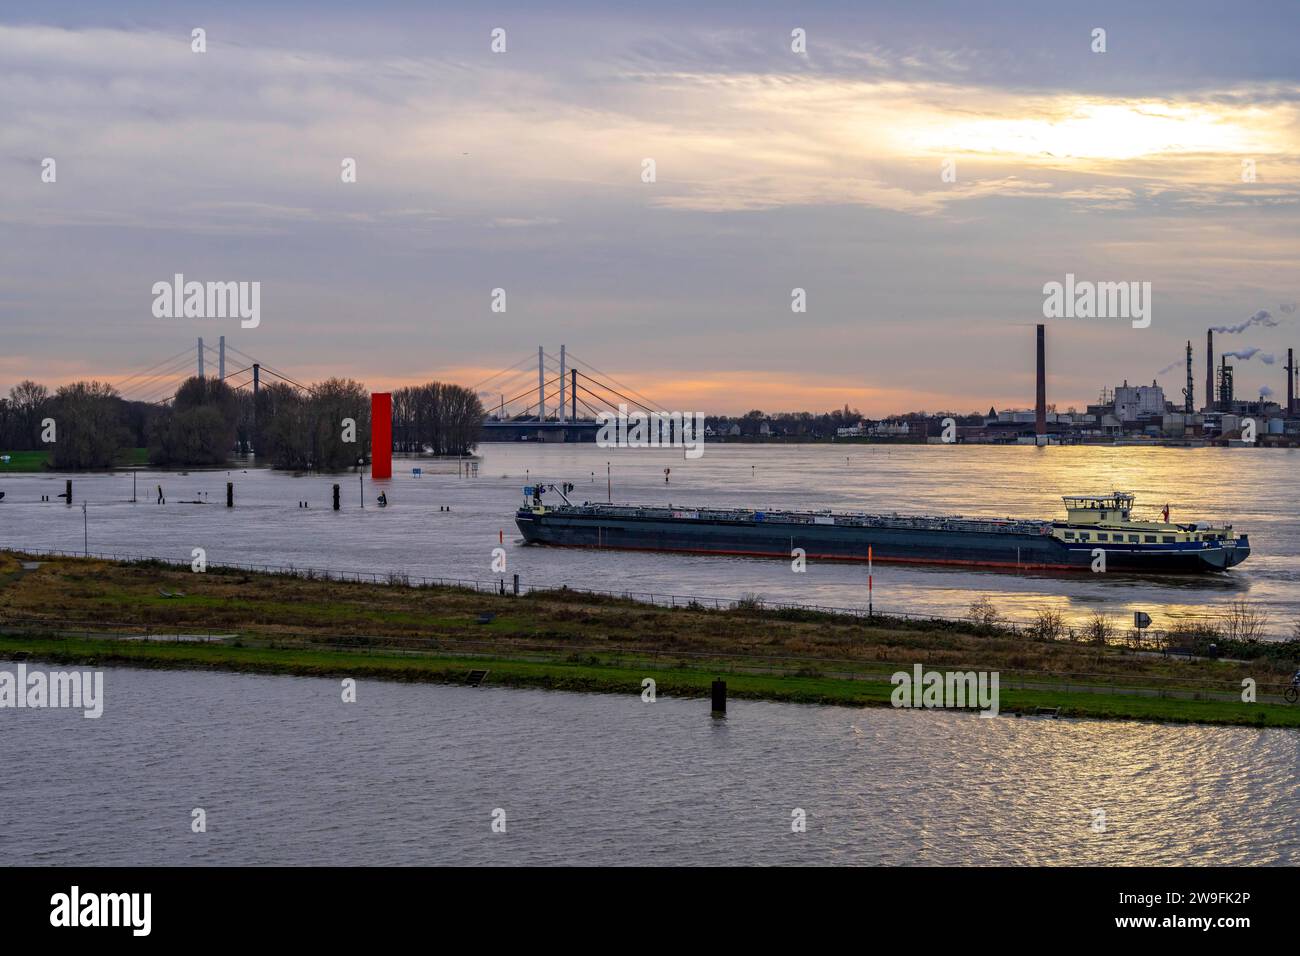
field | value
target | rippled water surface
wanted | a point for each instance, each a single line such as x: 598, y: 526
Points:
x: 411, y: 774
x: 1251, y: 488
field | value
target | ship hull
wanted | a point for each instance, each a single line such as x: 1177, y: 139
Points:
x: 1008, y: 551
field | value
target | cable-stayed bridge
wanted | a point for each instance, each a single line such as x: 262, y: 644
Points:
x: 553, y: 398
x: 157, y: 384
x: 542, y: 397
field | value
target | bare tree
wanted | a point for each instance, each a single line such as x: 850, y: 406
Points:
x: 91, y: 433
x: 1099, y: 629
x: 1048, y: 625
x: 28, y: 402
x: 445, y: 419
x: 1243, y: 622
x: 982, y: 613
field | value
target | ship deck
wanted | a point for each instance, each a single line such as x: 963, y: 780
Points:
x: 956, y: 523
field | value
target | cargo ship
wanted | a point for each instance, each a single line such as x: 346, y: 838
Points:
x: 1098, y: 533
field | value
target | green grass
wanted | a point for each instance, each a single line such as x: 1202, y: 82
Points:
x: 590, y: 675
x: 575, y: 641
x: 25, y: 461
x: 33, y: 461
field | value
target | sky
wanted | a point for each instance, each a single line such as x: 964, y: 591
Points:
x: 920, y: 170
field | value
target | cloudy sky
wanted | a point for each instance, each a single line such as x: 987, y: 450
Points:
x: 774, y: 170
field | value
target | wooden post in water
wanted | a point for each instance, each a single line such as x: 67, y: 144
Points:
x: 869, y: 581
x: 67, y: 490
x: 719, y: 698
x: 336, y: 496
x: 516, y: 585
x: 230, y: 494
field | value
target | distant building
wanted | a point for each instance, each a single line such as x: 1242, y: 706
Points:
x: 1134, y: 402
x: 890, y: 429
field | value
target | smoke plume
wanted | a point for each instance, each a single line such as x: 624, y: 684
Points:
x: 1247, y: 354
x: 1263, y: 318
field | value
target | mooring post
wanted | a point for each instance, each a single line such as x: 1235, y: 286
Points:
x: 67, y: 490
x: 336, y: 497
x: 516, y: 585
x: 719, y: 698
x: 230, y: 494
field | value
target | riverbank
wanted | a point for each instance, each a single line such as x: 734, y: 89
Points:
x: 87, y: 611
x: 35, y: 462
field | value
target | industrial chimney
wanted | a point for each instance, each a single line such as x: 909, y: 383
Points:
x: 1040, y: 413
x: 1209, y: 370
x: 1290, y: 383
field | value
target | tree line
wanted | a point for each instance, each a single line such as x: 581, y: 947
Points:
x: 326, y: 428
x: 437, y: 418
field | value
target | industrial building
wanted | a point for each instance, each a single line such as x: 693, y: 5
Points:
x: 1142, y: 413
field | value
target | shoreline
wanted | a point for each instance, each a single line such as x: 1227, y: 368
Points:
x: 96, y: 612
x: 601, y: 678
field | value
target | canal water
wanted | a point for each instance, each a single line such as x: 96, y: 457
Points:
x: 1251, y: 488
x: 286, y: 772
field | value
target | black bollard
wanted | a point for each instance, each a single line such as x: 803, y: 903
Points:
x: 719, y: 698
x: 230, y: 494
x: 336, y: 497
x: 516, y: 585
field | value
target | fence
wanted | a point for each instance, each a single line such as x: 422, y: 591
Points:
x: 494, y: 586
x: 735, y: 659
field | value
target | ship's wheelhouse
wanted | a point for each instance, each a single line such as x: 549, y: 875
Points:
x: 1098, y: 509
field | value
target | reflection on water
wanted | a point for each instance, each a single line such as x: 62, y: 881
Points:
x: 411, y: 774
x: 1248, y: 487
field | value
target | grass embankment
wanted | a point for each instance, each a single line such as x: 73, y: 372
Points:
x: 78, y: 611
x: 35, y: 461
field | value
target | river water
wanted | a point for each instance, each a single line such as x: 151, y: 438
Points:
x: 412, y: 774
x: 1251, y: 488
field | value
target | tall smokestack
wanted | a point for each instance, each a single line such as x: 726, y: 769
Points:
x: 1290, y: 383
x: 1209, y: 370
x: 1040, y: 414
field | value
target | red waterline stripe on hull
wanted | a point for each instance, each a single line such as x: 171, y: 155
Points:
x: 830, y: 557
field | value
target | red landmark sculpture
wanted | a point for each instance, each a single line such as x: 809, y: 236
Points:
x: 381, y: 435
